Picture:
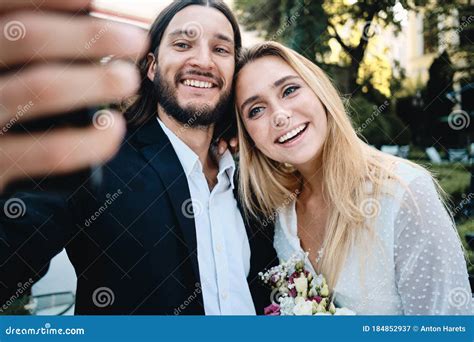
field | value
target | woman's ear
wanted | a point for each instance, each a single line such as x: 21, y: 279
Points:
x: 151, y: 62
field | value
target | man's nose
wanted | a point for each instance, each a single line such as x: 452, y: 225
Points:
x: 203, y: 58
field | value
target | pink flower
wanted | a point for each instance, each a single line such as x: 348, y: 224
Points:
x: 272, y: 310
x: 317, y: 299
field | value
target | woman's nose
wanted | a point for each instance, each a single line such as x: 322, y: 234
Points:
x: 281, y: 119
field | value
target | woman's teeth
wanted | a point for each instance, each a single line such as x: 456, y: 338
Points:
x: 197, y: 84
x: 291, y: 134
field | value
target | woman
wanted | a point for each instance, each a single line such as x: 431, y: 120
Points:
x: 373, y: 224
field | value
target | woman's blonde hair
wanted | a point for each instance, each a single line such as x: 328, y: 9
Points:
x: 348, y: 165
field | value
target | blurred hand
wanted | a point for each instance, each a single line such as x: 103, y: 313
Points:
x: 232, y: 145
x: 39, y: 41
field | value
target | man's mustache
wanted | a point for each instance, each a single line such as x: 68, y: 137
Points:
x: 180, y: 75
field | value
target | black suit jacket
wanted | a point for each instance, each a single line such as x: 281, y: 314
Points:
x: 131, y: 244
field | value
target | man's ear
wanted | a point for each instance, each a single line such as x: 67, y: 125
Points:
x: 151, y: 62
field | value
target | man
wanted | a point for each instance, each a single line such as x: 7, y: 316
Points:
x: 164, y: 235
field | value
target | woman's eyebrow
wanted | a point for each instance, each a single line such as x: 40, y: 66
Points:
x: 248, y: 101
x: 283, y: 80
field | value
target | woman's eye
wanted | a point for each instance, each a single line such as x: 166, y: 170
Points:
x: 255, y: 111
x: 289, y: 90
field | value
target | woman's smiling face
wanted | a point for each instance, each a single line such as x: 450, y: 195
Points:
x: 281, y: 113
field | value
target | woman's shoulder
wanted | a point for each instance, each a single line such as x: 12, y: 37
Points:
x: 409, y: 172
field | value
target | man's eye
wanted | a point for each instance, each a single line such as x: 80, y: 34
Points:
x: 290, y: 90
x: 222, y: 50
x: 255, y: 111
x: 182, y: 45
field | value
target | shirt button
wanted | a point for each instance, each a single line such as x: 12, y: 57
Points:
x: 219, y: 248
x: 224, y: 295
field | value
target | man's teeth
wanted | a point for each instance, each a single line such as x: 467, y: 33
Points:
x: 291, y: 134
x: 197, y: 84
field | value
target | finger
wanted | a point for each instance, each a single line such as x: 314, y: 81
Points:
x: 45, y: 90
x: 58, y: 151
x: 233, y: 142
x: 28, y: 36
x: 221, y: 146
x: 68, y: 5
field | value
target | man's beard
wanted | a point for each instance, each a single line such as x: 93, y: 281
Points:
x: 192, y: 116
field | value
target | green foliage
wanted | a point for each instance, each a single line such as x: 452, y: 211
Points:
x: 377, y: 123
x: 463, y: 228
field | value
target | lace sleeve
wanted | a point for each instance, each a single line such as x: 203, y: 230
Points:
x: 430, y: 267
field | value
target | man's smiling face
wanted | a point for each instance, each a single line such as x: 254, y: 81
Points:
x: 195, y: 66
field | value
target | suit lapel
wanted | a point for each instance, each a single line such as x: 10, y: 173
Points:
x: 160, y: 155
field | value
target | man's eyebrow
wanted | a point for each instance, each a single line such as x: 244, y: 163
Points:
x: 177, y: 32
x: 220, y: 36
x: 224, y: 37
x: 283, y: 80
x: 248, y: 101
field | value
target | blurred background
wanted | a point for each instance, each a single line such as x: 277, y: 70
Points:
x: 404, y: 68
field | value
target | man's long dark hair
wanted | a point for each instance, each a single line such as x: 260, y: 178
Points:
x: 144, y: 106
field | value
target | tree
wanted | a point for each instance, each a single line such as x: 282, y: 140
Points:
x: 322, y: 21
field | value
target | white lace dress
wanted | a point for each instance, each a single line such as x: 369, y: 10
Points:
x: 418, y: 266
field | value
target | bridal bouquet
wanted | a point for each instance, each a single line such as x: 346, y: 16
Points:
x: 296, y: 291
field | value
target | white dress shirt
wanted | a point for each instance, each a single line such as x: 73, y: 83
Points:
x: 223, y: 248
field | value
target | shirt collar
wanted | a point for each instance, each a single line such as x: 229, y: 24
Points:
x: 189, y: 159
x: 186, y: 156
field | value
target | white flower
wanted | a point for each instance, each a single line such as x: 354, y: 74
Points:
x: 286, y: 306
x: 303, y: 308
x: 301, y: 285
x: 344, y: 312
